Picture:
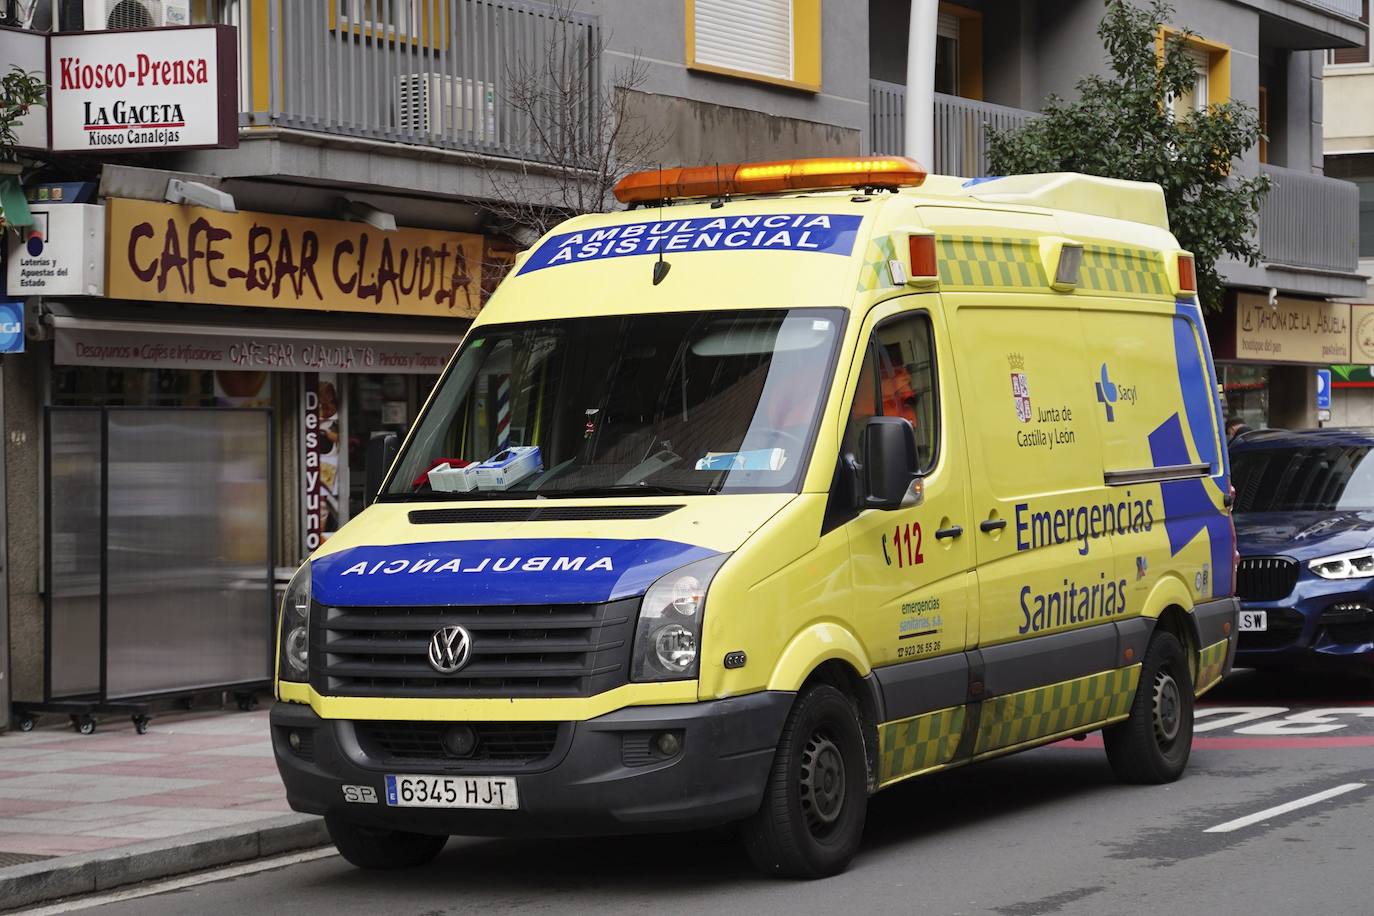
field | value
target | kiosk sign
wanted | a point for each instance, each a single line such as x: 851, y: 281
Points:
x: 144, y: 89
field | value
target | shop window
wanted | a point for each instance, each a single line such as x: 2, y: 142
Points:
x: 776, y: 41
x: 375, y: 405
x: 100, y: 386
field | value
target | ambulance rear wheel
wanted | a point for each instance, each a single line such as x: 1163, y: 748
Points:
x: 816, y: 800
x: 382, y: 850
x: 1153, y: 744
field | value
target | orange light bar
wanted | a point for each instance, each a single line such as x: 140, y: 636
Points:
x: 1187, y: 274
x: 769, y: 177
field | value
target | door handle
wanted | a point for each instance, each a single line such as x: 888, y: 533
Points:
x: 993, y: 524
x: 953, y: 531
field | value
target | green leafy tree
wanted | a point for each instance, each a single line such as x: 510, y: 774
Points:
x: 1124, y: 125
x: 19, y: 91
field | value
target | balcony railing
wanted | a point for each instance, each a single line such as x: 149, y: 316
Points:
x: 1350, y: 9
x: 477, y: 75
x: 1310, y: 221
x: 961, y: 139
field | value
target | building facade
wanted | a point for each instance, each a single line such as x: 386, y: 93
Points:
x: 386, y: 161
x: 1349, y: 141
x: 254, y: 332
x: 997, y: 62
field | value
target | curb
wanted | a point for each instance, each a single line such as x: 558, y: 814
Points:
x: 87, y: 873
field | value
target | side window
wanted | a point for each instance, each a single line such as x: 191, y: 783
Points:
x: 898, y: 380
x: 906, y: 372
x: 865, y: 403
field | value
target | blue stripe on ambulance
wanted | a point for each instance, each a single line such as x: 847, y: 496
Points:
x: 497, y: 572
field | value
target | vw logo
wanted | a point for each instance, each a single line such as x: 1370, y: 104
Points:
x: 450, y: 649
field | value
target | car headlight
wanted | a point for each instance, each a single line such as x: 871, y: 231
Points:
x: 1358, y: 564
x: 294, y: 663
x: 668, y: 636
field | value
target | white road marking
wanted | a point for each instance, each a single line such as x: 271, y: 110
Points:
x: 1275, y: 811
x: 173, y: 884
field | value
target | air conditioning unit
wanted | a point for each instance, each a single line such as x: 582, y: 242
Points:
x: 98, y: 15
x: 435, y: 103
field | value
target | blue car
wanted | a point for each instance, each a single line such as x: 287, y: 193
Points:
x: 1304, y: 515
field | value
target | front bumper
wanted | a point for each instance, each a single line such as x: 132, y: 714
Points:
x: 1322, y: 625
x: 590, y: 785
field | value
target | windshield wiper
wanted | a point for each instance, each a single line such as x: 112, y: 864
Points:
x: 637, y: 489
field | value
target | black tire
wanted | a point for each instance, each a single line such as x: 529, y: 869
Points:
x: 26, y: 723
x: 382, y: 850
x: 816, y: 801
x: 1152, y: 746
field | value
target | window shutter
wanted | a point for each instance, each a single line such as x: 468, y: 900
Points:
x: 947, y: 26
x: 1358, y: 55
x: 754, y: 36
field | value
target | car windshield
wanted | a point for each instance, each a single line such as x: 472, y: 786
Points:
x: 1319, y: 479
x: 678, y: 403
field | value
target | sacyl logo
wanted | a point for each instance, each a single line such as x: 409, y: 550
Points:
x: 1112, y: 395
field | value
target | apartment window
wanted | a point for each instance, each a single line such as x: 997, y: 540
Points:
x: 1356, y: 56
x: 947, y: 55
x: 774, y: 41
x: 1264, y: 123
x: 416, y: 21
x: 1213, y: 62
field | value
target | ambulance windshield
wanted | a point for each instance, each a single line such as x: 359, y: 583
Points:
x: 679, y: 403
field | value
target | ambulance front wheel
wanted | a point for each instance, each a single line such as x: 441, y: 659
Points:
x: 1153, y: 744
x: 816, y: 799
x: 382, y: 850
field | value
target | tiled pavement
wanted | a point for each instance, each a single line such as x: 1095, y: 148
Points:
x: 64, y: 793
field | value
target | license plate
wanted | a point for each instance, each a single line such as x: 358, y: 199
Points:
x: 452, y: 792
x: 1254, y: 621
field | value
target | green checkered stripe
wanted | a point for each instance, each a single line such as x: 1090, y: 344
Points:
x: 967, y: 260
x: 1108, y: 268
x: 1020, y: 717
x: 911, y: 745
x: 875, y: 273
x: 1209, y: 664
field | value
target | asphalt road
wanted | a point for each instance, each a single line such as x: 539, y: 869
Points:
x: 1048, y: 831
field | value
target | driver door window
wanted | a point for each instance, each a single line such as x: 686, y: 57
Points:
x: 898, y: 380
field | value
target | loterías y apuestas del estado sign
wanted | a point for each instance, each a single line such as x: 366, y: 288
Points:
x: 146, y: 89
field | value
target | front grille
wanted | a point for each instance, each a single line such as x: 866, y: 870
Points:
x: 516, y: 742
x: 567, y: 650
x: 538, y: 514
x: 1284, y: 626
x: 1266, y: 578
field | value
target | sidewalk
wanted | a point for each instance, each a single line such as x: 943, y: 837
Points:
x: 116, y: 806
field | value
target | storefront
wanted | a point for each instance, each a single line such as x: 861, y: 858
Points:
x: 322, y: 333
x: 1267, y: 355
x: 339, y: 328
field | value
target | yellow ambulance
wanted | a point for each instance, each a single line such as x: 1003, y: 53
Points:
x: 787, y: 483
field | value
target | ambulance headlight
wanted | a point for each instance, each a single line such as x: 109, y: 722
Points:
x: 1356, y: 565
x: 668, y: 637
x: 294, y: 664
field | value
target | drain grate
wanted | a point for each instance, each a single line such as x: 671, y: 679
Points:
x: 19, y: 858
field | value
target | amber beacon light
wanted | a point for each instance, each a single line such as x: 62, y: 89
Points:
x: 725, y: 180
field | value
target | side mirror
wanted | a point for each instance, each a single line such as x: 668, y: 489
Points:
x: 889, y: 462
x: 381, y: 451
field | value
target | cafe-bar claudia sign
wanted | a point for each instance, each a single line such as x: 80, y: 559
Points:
x: 170, y: 253
x: 148, y: 89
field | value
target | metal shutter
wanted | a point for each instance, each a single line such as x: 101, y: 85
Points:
x: 754, y: 36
